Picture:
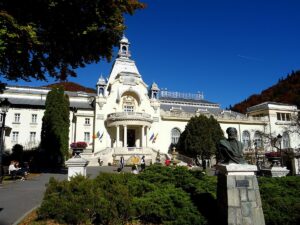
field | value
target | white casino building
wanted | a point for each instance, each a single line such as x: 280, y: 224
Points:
x: 128, y: 118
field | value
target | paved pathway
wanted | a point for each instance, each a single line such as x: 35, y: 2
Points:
x: 19, y: 197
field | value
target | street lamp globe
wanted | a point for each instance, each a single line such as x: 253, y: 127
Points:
x: 5, y: 104
x: 279, y: 137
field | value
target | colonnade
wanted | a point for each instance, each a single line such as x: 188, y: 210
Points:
x: 144, y: 130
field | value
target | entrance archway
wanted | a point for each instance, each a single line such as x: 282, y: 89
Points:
x: 131, y: 138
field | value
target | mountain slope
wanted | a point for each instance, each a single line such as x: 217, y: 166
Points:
x: 286, y: 91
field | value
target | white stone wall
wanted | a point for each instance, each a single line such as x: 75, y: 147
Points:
x: 23, y: 127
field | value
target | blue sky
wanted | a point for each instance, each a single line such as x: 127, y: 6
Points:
x: 227, y: 49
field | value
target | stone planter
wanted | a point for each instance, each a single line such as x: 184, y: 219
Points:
x: 77, y: 152
x: 275, y: 161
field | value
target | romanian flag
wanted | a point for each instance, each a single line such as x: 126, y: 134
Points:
x: 95, y: 136
x: 152, y: 136
x: 101, y: 136
x: 154, y: 139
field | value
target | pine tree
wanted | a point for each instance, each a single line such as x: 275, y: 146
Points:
x: 55, y: 127
x: 200, y: 137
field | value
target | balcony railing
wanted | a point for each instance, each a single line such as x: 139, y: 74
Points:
x: 129, y: 116
x: 188, y: 115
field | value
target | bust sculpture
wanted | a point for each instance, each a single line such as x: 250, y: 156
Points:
x: 231, y: 150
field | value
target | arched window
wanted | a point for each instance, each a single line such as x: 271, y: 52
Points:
x: 124, y: 49
x: 258, y: 139
x: 128, y: 104
x: 285, y: 140
x: 246, y: 139
x: 175, y: 134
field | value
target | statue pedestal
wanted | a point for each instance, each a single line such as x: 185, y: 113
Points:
x: 238, y: 195
x: 76, y: 166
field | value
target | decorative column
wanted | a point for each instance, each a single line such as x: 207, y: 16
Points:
x: 125, y: 136
x: 117, y: 135
x: 142, y: 136
x: 238, y: 195
x: 147, y: 130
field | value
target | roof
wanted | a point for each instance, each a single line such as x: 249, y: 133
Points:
x: 40, y: 103
x: 36, y: 97
x: 266, y: 105
x: 187, y: 100
x: 71, y: 86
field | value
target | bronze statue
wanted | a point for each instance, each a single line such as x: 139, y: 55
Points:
x: 231, y: 150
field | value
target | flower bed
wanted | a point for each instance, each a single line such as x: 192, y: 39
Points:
x: 78, y: 145
x: 272, y: 154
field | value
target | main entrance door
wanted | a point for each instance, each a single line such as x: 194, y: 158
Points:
x: 131, y: 138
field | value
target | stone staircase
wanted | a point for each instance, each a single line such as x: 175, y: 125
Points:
x: 131, y: 156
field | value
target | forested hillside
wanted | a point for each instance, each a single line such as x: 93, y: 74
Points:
x: 287, y: 90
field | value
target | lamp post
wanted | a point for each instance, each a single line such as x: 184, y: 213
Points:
x: 256, y: 154
x: 279, y: 138
x: 4, y: 109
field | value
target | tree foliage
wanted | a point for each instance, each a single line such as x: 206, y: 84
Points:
x: 200, y: 137
x: 55, y: 127
x: 55, y: 37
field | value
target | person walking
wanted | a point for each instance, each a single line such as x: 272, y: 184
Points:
x: 143, y: 163
x: 122, y: 162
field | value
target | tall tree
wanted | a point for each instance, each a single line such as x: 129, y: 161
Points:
x: 200, y: 137
x: 39, y: 37
x: 55, y: 127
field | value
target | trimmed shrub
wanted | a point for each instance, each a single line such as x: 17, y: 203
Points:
x: 167, y: 205
x: 280, y: 200
x: 72, y: 202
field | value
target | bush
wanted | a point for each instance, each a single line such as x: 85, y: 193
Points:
x: 280, y: 200
x: 117, y: 199
x: 72, y: 202
x: 167, y: 205
x: 160, y: 195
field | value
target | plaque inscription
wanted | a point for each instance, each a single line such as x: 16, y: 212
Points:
x: 242, y: 183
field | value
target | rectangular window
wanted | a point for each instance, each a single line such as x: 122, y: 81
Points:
x: 284, y: 116
x: 87, y: 137
x: 17, y: 117
x: 87, y: 121
x: 32, y: 137
x: 128, y: 108
x: 278, y: 116
x: 15, y: 136
x: 34, y: 118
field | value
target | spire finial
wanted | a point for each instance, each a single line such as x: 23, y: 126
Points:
x: 124, y: 47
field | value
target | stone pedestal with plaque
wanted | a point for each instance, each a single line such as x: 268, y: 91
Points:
x: 238, y: 195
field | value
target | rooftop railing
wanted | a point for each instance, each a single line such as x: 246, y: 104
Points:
x: 172, y: 94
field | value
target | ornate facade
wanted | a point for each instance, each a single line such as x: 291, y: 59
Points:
x: 126, y: 117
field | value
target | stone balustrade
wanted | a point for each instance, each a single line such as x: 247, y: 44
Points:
x: 129, y: 116
x: 227, y: 116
